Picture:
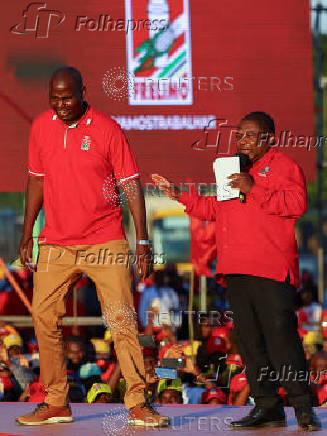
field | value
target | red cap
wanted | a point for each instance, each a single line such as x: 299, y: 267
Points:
x: 213, y: 393
x: 216, y: 343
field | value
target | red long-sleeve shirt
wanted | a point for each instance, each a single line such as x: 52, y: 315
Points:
x: 257, y: 237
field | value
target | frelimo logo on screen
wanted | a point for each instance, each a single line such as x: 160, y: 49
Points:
x: 38, y: 20
x: 160, y: 54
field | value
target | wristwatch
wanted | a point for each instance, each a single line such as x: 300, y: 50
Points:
x: 144, y: 242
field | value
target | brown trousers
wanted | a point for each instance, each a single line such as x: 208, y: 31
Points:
x: 107, y: 265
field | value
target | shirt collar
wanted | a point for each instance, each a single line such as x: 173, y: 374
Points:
x: 86, y: 118
x: 265, y: 159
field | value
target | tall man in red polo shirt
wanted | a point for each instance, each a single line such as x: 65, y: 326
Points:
x: 76, y: 154
x: 257, y: 254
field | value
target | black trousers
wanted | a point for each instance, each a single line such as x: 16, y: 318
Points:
x: 265, y: 326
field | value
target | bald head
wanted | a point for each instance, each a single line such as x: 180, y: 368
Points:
x: 68, y: 74
x: 66, y: 94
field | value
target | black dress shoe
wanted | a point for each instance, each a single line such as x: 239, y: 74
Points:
x: 261, y: 417
x: 306, y: 418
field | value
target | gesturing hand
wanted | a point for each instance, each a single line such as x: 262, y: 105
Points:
x: 241, y: 181
x: 167, y: 187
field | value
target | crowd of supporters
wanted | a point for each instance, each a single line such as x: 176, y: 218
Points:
x: 208, y: 369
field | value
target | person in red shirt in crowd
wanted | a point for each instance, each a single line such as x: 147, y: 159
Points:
x: 77, y: 156
x: 239, y: 390
x: 233, y: 360
x: 257, y: 255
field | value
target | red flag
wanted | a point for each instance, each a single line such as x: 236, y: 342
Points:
x: 203, y: 245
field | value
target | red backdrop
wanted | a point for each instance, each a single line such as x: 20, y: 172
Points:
x: 265, y: 47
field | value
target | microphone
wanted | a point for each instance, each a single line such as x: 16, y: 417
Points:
x: 244, y: 162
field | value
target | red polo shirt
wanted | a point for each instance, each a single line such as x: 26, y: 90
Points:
x: 80, y: 164
x: 257, y: 237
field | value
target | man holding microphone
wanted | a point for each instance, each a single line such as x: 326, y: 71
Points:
x: 257, y: 255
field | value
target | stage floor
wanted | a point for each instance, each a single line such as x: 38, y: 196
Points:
x: 111, y: 420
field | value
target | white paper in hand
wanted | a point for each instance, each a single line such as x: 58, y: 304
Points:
x: 224, y: 167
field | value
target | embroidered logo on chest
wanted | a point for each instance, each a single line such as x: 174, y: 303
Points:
x: 263, y: 172
x: 86, y: 143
